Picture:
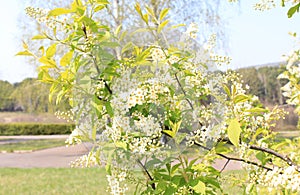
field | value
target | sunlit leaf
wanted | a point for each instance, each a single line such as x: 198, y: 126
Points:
x: 51, y: 51
x: 240, y: 98
x: 234, y: 131
x: 24, y: 53
x: 59, y: 11
x: 162, y: 25
x: 199, y: 187
x: 66, y: 59
x: 163, y: 13
x: 36, y: 37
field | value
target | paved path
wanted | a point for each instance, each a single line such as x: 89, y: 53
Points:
x: 53, y: 157
x: 62, y: 156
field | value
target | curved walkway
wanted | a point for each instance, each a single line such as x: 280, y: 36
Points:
x: 53, y: 157
x: 62, y: 156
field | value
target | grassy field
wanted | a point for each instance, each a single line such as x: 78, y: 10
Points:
x: 48, y: 181
x: 32, y: 145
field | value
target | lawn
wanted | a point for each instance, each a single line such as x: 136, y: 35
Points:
x: 48, y: 181
x: 31, y: 145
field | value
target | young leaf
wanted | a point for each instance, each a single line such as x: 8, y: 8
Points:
x: 66, y: 59
x: 293, y: 10
x: 36, y: 37
x: 51, y: 51
x: 199, y: 187
x: 59, y: 11
x: 24, y: 53
x: 234, y: 131
x: 240, y: 98
x: 163, y: 14
x: 162, y: 25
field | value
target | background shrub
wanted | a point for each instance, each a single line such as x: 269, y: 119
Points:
x: 35, y: 129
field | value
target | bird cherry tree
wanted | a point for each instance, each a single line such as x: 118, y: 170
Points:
x: 160, y: 107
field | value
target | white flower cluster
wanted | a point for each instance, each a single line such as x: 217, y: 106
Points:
x: 149, y: 126
x: 142, y: 145
x: 220, y: 60
x: 99, y: 88
x: 74, y: 137
x: 157, y: 54
x: 114, y: 183
x: 84, y: 161
x: 149, y: 92
x: 192, y: 30
x: 41, y: 15
x: 264, y: 5
x: 285, y: 178
x: 68, y: 115
x: 199, y: 136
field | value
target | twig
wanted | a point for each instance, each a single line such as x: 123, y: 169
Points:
x: 228, y: 160
x: 183, y: 91
x: 281, y: 156
x: 147, y: 173
x: 235, y: 159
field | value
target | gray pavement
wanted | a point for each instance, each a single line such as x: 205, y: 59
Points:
x: 53, y: 157
x: 62, y: 156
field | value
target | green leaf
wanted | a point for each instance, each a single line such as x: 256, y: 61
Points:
x: 293, y: 10
x: 109, y: 109
x: 104, y: 2
x: 261, y: 156
x: 226, y: 89
x: 175, y: 127
x: 163, y: 13
x: 24, y: 53
x: 51, y: 51
x: 162, y: 25
x: 199, y: 187
x: 49, y: 62
x: 59, y: 11
x: 98, y: 8
x: 234, y: 131
x: 127, y: 47
x: 240, y: 98
x: 66, y: 59
x: 256, y: 110
x: 121, y: 144
x: 39, y: 37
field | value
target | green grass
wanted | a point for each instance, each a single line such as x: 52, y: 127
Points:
x: 48, y: 181
x: 32, y: 145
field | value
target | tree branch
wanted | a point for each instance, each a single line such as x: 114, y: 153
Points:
x: 147, y: 173
x: 183, y: 91
x: 234, y: 159
x: 281, y: 156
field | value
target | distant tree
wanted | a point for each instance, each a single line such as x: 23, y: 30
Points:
x: 6, y: 102
x: 272, y: 86
x: 250, y: 77
x: 32, y: 96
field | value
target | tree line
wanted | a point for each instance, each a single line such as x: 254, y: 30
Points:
x: 29, y: 96
x: 263, y: 82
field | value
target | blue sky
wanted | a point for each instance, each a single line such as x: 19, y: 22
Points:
x: 254, y: 38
